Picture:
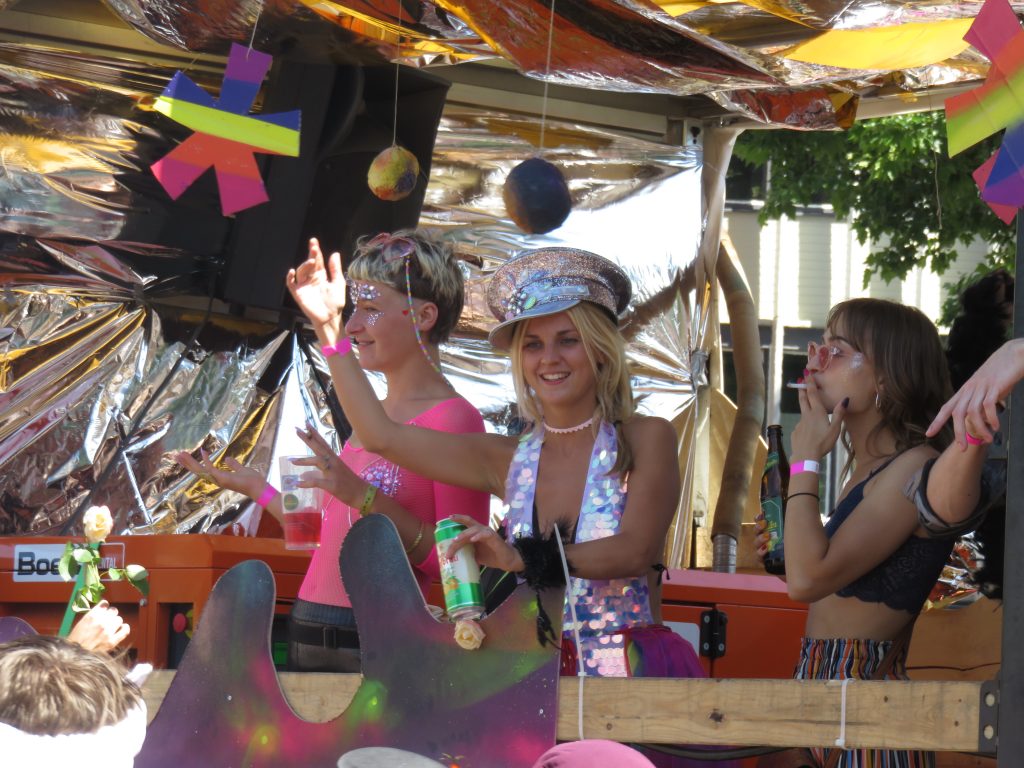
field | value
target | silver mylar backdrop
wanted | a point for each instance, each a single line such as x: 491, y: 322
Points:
x: 98, y: 384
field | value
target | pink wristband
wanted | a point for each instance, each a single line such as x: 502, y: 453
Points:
x: 269, y: 492
x: 341, y: 347
x: 972, y: 440
x: 804, y: 466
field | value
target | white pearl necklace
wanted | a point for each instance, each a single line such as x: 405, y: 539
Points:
x: 567, y: 430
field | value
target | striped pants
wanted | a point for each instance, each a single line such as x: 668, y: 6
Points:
x: 858, y: 659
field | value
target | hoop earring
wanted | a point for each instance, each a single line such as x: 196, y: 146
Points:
x: 878, y: 401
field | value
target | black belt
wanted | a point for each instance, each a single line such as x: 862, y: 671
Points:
x: 323, y: 636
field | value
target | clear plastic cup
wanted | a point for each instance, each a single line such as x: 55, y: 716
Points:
x: 302, y: 507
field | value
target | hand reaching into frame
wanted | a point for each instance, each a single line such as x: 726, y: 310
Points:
x: 100, y: 629
x: 975, y: 407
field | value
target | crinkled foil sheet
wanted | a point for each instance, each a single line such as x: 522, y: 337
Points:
x: 729, y: 51
x: 98, y: 382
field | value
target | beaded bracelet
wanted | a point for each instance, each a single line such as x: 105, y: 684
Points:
x: 269, y: 492
x: 368, y: 497
x: 340, y: 348
x: 417, y: 540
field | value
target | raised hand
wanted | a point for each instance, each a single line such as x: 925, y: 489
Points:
x: 235, y: 477
x: 319, y: 289
x: 975, y: 407
x: 817, y: 432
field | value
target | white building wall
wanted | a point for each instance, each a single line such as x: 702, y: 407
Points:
x: 805, y: 265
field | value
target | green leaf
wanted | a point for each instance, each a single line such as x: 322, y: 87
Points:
x: 64, y: 566
x: 82, y: 603
x: 83, y: 556
x: 138, y: 577
x: 90, y: 575
x: 115, y: 574
x: 136, y: 572
x: 892, y: 179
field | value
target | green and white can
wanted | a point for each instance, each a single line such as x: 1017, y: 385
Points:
x: 460, y: 576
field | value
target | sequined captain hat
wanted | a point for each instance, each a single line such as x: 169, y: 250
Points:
x: 546, y: 281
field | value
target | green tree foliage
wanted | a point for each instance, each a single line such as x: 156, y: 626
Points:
x: 892, y: 179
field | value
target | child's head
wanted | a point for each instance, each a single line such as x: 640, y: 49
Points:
x: 50, y: 686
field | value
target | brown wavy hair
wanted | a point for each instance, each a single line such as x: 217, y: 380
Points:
x: 904, y: 347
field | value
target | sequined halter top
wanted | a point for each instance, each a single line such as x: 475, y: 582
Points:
x: 602, y: 605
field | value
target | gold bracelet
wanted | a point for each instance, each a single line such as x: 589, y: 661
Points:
x: 418, y: 539
x: 368, y: 497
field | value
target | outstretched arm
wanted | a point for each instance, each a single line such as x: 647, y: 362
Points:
x: 476, y: 461
x: 975, y: 407
x: 953, y: 487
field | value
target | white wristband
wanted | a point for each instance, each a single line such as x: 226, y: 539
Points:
x: 804, y: 466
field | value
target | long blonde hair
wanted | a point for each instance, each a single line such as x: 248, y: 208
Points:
x: 606, y: 352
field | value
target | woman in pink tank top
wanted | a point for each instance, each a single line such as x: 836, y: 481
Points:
x: 406, y: 300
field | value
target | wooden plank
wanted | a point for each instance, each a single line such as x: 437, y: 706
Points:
x: 937, y: 715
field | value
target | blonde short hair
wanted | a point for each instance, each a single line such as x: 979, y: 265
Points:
x: 434, y: 274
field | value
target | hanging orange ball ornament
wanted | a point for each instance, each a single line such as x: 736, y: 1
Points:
x: 393, y: 173
x: 536, y: 196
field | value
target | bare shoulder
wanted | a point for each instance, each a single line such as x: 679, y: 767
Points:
x: 895, y: 476
x: 649, y: 432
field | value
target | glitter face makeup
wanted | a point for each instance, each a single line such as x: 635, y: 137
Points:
x: 363, y: 291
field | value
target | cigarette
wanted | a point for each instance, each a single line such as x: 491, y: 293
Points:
x: 796, y: 385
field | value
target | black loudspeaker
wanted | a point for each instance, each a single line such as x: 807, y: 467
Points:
x: 348, y: 117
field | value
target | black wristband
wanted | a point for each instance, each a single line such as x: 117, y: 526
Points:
x: 542, y: 563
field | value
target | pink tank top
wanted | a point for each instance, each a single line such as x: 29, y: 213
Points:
x: 424, y: 498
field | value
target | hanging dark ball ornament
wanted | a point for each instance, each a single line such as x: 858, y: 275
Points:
x: 536, y: 196
x: 393, y: 173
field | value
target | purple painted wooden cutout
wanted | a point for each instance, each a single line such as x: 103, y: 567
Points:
x: 420, y: 691
x: 11, y: 627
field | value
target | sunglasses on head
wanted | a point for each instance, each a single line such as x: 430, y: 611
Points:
x: 823, y: 354
x: 391, y: 248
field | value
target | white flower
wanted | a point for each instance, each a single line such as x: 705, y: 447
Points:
x: 468, y: 634
x: 97, y: 524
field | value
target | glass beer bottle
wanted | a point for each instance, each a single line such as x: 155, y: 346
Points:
x: 774, y: 489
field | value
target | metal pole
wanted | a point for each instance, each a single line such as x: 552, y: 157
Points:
x: 1010, y: 734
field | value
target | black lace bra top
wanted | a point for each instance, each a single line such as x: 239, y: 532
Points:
x: 904, y: 579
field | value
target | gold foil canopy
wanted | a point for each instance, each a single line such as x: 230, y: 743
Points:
x: 717, y: 48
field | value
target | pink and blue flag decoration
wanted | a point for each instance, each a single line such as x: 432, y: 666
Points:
x: 226, y: 137
x: 995, y: 106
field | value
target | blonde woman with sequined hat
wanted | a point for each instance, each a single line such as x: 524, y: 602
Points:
x: 557, y: 311
x: 407, y: 295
